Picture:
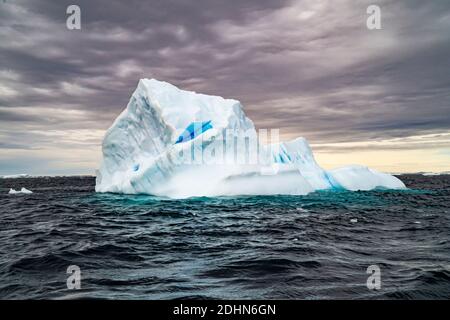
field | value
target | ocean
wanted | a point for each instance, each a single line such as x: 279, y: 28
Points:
x: 317, y: 246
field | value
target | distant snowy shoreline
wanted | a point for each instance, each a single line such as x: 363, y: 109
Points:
x: 14, y: 176
x: 423, y: 173
x: 18, y: 176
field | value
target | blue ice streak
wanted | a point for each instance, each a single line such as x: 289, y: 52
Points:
x: 194, y: 130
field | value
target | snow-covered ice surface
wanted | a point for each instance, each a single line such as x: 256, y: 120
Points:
x: 146, y: 150
x: 21, y: 191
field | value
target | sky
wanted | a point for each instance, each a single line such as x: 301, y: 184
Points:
x: 309, y: 68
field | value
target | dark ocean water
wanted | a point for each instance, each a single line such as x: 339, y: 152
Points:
x: 277, y: 247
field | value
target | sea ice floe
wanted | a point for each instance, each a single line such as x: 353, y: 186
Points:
x: 21, y: 191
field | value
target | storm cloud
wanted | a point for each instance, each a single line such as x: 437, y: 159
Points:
x: 309, y: 68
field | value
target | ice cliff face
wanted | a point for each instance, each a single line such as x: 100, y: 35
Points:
x: 176, y: 143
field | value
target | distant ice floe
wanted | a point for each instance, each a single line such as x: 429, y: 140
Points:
x: 22, y: 191
x: 144, y: 152
x: 15, y: 176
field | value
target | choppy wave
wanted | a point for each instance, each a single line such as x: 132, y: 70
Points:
x: 277, y: 247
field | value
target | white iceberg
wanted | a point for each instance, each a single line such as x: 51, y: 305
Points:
x: 22, y: 191
x: 175, y: 143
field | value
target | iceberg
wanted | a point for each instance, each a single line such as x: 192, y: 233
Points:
x: 175, y: 143
x: 22, y: 191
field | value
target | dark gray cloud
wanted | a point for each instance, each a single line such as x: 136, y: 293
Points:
x: 310, y: 68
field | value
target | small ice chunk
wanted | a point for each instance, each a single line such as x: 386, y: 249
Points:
x: 23, y: 191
